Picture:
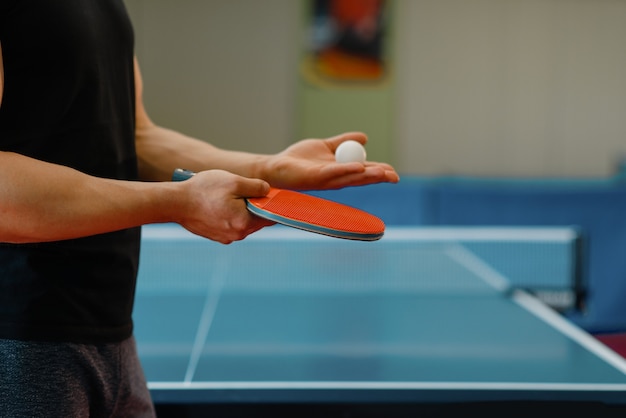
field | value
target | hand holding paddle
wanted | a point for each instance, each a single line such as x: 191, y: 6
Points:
x: 213, y: 206
x: 310, y: 213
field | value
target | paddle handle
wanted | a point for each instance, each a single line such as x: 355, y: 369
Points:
x: 180, y: 174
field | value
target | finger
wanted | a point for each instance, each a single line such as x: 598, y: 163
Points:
x: 334, y: 170
x: 390, y: 173
x: 356, y: 173
x: 259, y: 223
x: 381, y: 172
x: 253, y: 188
x: 333, y: 142
x: 386, y: 166
x: 391, y: 176
x: 371, y: 175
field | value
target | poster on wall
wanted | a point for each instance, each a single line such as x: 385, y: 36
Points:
x: 346, y: 43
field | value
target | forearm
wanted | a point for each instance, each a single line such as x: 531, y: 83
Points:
x: 46, y: 202
x: 162, y: 150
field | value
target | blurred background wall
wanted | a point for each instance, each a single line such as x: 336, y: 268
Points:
x: 528, y: 88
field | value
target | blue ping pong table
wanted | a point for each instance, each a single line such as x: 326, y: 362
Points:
x: 420, y: 317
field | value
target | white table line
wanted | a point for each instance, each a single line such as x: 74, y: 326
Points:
x: 391, y: 385
x: 208, y: 313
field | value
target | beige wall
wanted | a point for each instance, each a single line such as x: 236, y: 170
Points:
x: 481, y: 87
x: 220, y: 70
x: 513, y: 87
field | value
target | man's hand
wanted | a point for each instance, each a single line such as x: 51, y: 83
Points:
x: 214, y: 205
x: 310, y: 164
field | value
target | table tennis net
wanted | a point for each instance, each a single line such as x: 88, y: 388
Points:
x: 464, y: 261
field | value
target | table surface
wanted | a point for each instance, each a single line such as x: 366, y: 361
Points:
x: 288, y: 316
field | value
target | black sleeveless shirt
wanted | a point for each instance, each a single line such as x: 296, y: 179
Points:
x: 69, y: 99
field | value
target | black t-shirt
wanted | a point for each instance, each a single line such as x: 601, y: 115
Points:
x: 69, y: 99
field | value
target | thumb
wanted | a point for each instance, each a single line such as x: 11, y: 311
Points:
x: 253, y: 188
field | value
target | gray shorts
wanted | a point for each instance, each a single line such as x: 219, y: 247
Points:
x: 41, y: 379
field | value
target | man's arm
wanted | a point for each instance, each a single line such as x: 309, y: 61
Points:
x: 47, y: 202
x: 43, y: 202
x: 307, y: 164
x: 161, y: 150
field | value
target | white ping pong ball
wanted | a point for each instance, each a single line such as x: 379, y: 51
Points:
x: 350, y: 152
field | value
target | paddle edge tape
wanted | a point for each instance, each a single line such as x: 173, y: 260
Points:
x: 305, y: 226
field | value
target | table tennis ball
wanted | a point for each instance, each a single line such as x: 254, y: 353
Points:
x: 350, y: 151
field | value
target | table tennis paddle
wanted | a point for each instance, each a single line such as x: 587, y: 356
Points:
x: 310, y: 213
